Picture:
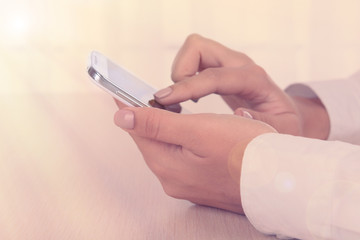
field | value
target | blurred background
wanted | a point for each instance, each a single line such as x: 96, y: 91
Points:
x: 44, y: 44
x: 66, y: 172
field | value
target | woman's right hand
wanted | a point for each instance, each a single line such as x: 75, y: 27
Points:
x: 203, y: 66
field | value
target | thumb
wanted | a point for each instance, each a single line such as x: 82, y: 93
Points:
x: 249, y: 113
x: 156, y: 124
x: 277, y: 122
x: 243, y: 113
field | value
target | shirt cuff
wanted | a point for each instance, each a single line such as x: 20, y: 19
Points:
x: 341, y: 99
x: 289, y: 184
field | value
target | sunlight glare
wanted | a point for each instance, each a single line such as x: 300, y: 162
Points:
x: 17, y: 26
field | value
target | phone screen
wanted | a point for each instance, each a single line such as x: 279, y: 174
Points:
x: 129, y: 84
x: 123, y: 85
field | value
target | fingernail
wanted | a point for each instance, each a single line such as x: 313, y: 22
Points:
x: 163, y: 93
x: 246, y: 114
x: 173, y: 108
x: 124, y: 119
x: 243, y: 113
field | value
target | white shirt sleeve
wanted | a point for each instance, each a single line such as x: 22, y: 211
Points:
x: 307, y: 188
x: 302, y: 188
x: 341, y: 99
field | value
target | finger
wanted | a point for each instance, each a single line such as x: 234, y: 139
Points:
x: 249, y: 82
x: 157, y: 124
x: 287, y: 123
x: 234, y: 102
x: 252, y: 114
x: 199, y: 53
x: 243, y: 113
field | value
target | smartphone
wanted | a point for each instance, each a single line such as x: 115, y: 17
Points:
x: 122, y: 85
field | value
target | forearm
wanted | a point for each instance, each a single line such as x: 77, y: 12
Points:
x: 314, y: 117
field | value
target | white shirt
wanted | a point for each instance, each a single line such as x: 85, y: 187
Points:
x: 306, y: 188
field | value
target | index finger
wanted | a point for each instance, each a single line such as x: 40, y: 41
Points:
x: 249, y: 82
x: 199, y: 53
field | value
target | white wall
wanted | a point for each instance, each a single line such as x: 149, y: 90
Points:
x: 295, y: 40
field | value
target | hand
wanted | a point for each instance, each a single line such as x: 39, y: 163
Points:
x: 203, y: 66
x: 195, y: 157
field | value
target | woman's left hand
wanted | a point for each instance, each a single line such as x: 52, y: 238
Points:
x: 195, y: 157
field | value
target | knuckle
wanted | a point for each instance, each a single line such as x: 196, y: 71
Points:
x: 195, y: 41
x: 241, y: 59
x: 259, y: 70
x: 158, y: 170
x: 187, y: 89
x: 152, y: 125
x: 171, y: 191
x: 185, y: 85
x: 213, y: 78
x: 212, y: 74
x: 193, y: 38
x: 176, y: 76
x: 260, y: 76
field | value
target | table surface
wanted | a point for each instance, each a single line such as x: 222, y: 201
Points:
x: 68, y: 173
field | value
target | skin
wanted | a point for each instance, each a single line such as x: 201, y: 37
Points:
x: 191, y: 154
x: 203, y: 66
x: 198, y: 157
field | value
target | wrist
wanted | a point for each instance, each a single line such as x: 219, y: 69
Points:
x: 314, y: 117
